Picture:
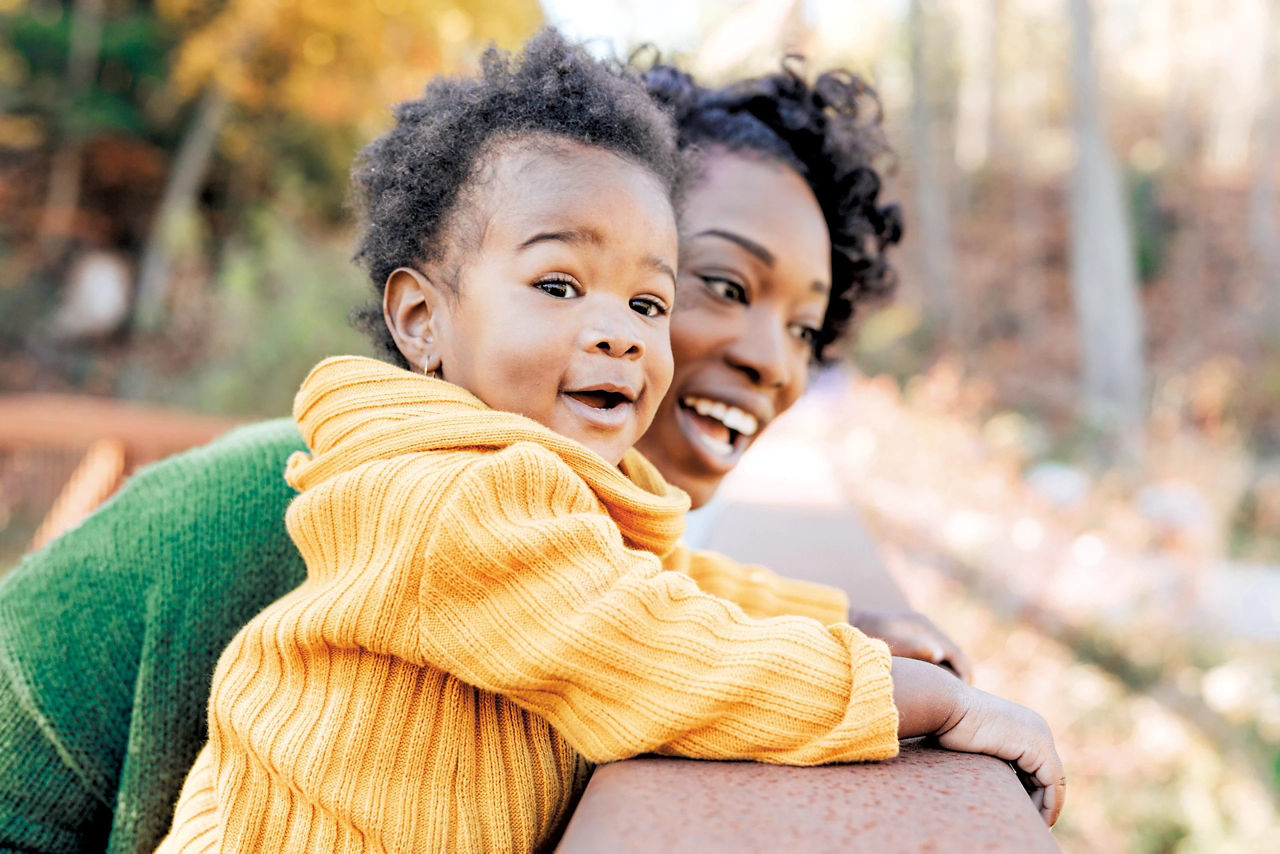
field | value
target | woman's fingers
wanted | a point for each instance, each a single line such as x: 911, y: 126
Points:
x: 959, y: 664
x: 913, y: 635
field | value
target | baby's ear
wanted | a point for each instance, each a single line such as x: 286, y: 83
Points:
x: 410, y: 303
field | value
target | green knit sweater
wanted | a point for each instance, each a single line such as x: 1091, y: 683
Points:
x: 108, y: 640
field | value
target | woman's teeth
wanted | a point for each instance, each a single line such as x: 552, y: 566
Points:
x: 730, y: 416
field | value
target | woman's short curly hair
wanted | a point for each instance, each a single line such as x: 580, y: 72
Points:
x: 409, y: 181
x: 829, y: 132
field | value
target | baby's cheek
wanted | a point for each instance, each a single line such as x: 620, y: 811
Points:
x: 527, y: 385
x: 659, y: 365
x: 645, y: 412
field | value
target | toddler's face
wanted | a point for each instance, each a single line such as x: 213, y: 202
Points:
x: 562, y: 313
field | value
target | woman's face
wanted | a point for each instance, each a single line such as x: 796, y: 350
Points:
x: 755, y: 274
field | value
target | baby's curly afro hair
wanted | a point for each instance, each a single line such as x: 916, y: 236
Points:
x: 822, y: 130
x: 409, y: 181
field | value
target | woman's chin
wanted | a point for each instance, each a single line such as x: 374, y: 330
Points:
x: 696, y: 480
x: 686, y: 459
x: 700, y: 490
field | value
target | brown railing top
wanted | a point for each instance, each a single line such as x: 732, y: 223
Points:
x: 72, y: 422
x: 925, y: 800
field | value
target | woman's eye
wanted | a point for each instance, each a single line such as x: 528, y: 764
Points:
x: 807, y: 334
x: 649, y: 306
x: 726, y: 289
x: 558, y: 288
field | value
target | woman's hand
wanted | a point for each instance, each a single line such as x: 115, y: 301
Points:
x: 960, y: 717
x: 911, y: 634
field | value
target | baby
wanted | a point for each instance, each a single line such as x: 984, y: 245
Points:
x: 490, y: 605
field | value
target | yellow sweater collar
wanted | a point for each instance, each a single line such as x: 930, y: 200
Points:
x: 352, y: 410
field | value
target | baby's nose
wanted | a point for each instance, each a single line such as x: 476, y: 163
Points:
x: 617, y: 342
x: 614, y: 333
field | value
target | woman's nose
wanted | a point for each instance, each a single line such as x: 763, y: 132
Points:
x: 762, y: 352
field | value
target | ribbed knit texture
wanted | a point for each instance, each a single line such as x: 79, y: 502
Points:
x: 759, y: 591
x: 109, y: 636
x: 485, y: 613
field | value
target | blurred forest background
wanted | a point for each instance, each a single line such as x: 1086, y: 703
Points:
x: 1065, y: 429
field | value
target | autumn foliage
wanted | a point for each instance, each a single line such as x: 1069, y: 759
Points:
x: 331, y: 61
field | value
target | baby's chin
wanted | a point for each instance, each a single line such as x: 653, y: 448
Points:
x: 611, y: 444
x: 613, y: 452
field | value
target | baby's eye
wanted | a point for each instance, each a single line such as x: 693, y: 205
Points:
x: 649, y: 306
x: 726, y: 289
x: 560, y: 288
x: 807, y: 334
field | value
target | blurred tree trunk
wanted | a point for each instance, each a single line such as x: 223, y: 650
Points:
x: 178, y: 202
x: 1188, y: 253
x: 1264, y: 222
x: 1103, y: 278
x: 1175, y: 130
x: 63, y: 195
x: 930, y: 191
x: 1232, y: 115
x: 976, y: 128
x: 1025, y: 117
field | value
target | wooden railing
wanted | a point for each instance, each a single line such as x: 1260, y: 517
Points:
x: 110, y: 438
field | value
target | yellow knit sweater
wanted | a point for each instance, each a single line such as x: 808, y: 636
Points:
x: 486, y: 612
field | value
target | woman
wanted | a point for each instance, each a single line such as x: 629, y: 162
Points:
x: 108, y: 637
x: 766, y: 288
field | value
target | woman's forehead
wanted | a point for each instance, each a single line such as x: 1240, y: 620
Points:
x: 764, y: 206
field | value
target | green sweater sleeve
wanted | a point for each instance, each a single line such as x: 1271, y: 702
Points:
x: 108, y: 638
x: 44, y: 804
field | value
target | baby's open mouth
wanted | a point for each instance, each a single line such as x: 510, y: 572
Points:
x: 600, y: 399
x: 603, y: 406
x: 719, y: 425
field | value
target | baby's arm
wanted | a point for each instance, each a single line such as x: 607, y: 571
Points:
x: 757, y: 590
x: 763, y: 593
x: 545, y: 604
x: 552, y: 610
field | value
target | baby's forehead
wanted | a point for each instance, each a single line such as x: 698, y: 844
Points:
x: 546, y: 183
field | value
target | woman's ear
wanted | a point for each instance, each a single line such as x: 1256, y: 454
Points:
x: 410, y: 305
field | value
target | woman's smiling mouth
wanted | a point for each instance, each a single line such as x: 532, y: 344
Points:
x: 719, y: 430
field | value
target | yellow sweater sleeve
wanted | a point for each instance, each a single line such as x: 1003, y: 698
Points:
x: 757, y: 590
x: 530, y: 592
